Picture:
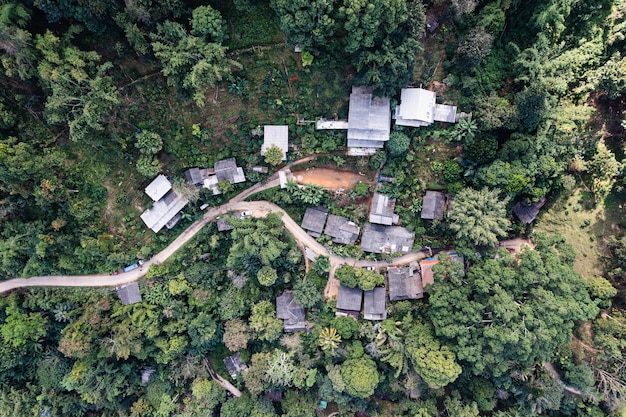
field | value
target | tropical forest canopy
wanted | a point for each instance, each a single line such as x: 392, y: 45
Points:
x: 98, y: 97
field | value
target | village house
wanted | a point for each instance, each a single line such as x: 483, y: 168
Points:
x: 381, y: 210
x: 349, y: 301
x: 292, y: 313
x: 222, y: 225
x: 341, y: 230
x: 314, y: 220
x: 418, y: 107
x: 234, y: 365
x: 223, y: 170
x: 167, y: 204
x: 405, y: 283
x: 426, y: 266
x: 386, y: 239
x: 369, y: 122
x: 276, y: 135
x: 374, y: 304
x: 129, y: 293
x: 527, y: 213
x: 433, y: 205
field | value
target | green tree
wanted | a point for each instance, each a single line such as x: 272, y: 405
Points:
x: 236, y: 335
x: 21, y: 328
x: 360, y: 376
x: 267, y: 276
x: 306, y: 23
x: 148, y: 166
x: 479, y: 217
x: 603, y: 168
x: 149, y: 142
x: 610, y: 78
x: 207, y: 23
x: 81, y: 95
x: 306, y: 293
x: 473, y: 48
x: 273, y: 155
x: 507, y: 313
x: 329, y: 339
x: 190, y: 63
x: 465, y: 130
x: 398, y: 143
x: 264, y: 323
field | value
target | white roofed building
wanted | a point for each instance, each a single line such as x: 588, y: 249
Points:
x: 418, y: 107
x: 158, y: 187
x: 275, y: 135
x: 369, y: 122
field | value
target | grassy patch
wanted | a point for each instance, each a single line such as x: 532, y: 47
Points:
x: 246, y: 29
x: 586, y: 226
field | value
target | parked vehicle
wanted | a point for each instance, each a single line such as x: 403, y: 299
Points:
x: 245, y: 214
x: 133, y: 266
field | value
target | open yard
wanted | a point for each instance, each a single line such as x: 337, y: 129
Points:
x: 586, y: 226
x: 330, y: 178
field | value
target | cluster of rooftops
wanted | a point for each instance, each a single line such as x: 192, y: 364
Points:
x: 381, y: 234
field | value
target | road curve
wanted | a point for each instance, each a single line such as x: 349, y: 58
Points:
x: 258, y: 209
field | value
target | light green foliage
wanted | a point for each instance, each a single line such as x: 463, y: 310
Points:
x: 259, y: 242
x: 329, y: 339
x: 20, y: 328
x: 322, y: 265
x: 148, y: 166
x: 309, y: 194
x: 398, y: 143
x: 255, y: 377
x: 434, y: 362
x: 517, y: 313
x: 465, y: 130
x: 190, y: 63
x: 207, y: 395
x: 264, y: 323
x: 353, y: 277
x: 224, y: 186
x: 149, y: 142
x: 604, y: 168
x: 267, y: 276
x: 360, y: 376
x: 207, y: 23
x: 281, y: 369
x: 455, y: 406
x: 479, y: 217
x: 81, y: 95
x: 273, y: 155
x: 494, y: 112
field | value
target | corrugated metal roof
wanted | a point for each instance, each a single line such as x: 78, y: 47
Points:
x: 158, y: 187
x: 129, y: 294
x: 276, y: 135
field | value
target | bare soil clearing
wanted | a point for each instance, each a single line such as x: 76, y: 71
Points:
x: 330, y: 178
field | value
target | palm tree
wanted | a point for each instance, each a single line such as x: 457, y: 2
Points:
x: 329, y: 339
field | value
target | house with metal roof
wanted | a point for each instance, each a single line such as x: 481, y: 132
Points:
x: 433, y: 205
x: 374, y: 304
x: 222, y: 225
x: 418, y: 107
x: 276, y: 135
x: 349, y: 301
x: 378, y: 238
x: 314, y: 220
x: 129, y: 293
x: 196, y: 176
x: 426, y: 266
x: 369, y: 121
x: 164, y: 213
x: 527, y: 213
x: 292, y: 313
x: 158, y: 187
x: 234, y: 365
x: 227, y: 170
x: 341, y: 230
x: 381, y: 210
x: 405, y: 283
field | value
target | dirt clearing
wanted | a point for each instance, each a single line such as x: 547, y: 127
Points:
x: 329, y: 178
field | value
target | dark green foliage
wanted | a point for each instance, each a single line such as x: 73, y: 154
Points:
x: 306, y: 293
x: 531, y: 106
x: 470, y: 321
x: 398, y: 143
x: 473, y: 48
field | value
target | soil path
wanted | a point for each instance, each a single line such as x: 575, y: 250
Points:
x: 329, y: 178
x: 550, y: 368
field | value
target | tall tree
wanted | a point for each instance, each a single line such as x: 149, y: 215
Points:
x: 308, y: 23
x: 509, y: 313
x: 479, y: 217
